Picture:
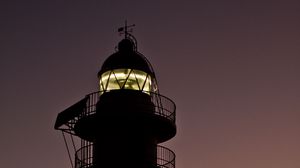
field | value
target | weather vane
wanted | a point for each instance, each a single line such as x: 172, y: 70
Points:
x: 125, y: 30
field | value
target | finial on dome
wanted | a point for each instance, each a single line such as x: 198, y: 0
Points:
x: 124, y: 30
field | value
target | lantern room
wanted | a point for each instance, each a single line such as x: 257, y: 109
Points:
x: 127, y: 69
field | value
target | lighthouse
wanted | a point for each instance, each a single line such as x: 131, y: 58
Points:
x: 123, y: 123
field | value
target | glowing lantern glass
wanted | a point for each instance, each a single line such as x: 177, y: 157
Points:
x: 125, y: 79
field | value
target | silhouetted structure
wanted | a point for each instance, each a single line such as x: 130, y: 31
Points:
x: 121, y: 125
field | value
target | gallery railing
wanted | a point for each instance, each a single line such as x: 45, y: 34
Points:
x: 163, y: 106
x: 84, y: 159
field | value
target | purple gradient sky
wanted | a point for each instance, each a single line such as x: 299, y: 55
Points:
x: 232, y: 67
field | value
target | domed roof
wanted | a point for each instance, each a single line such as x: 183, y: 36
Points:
x: 126, y: 58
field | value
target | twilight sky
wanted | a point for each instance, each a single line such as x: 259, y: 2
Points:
x: 232, y: 67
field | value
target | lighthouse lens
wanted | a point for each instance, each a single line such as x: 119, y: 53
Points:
x: 125, y: 79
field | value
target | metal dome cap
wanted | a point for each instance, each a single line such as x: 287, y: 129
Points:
x: 126, y: 57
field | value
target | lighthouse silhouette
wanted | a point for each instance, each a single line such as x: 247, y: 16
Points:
x: 122, y: 124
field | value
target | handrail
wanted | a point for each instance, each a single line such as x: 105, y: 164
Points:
x: 84, y: 157
x: 165, y: 157
x: 163, y: 106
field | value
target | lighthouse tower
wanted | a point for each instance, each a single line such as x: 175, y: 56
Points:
x: 122, y: 124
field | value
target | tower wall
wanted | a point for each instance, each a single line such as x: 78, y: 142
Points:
x: 125, y: 137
